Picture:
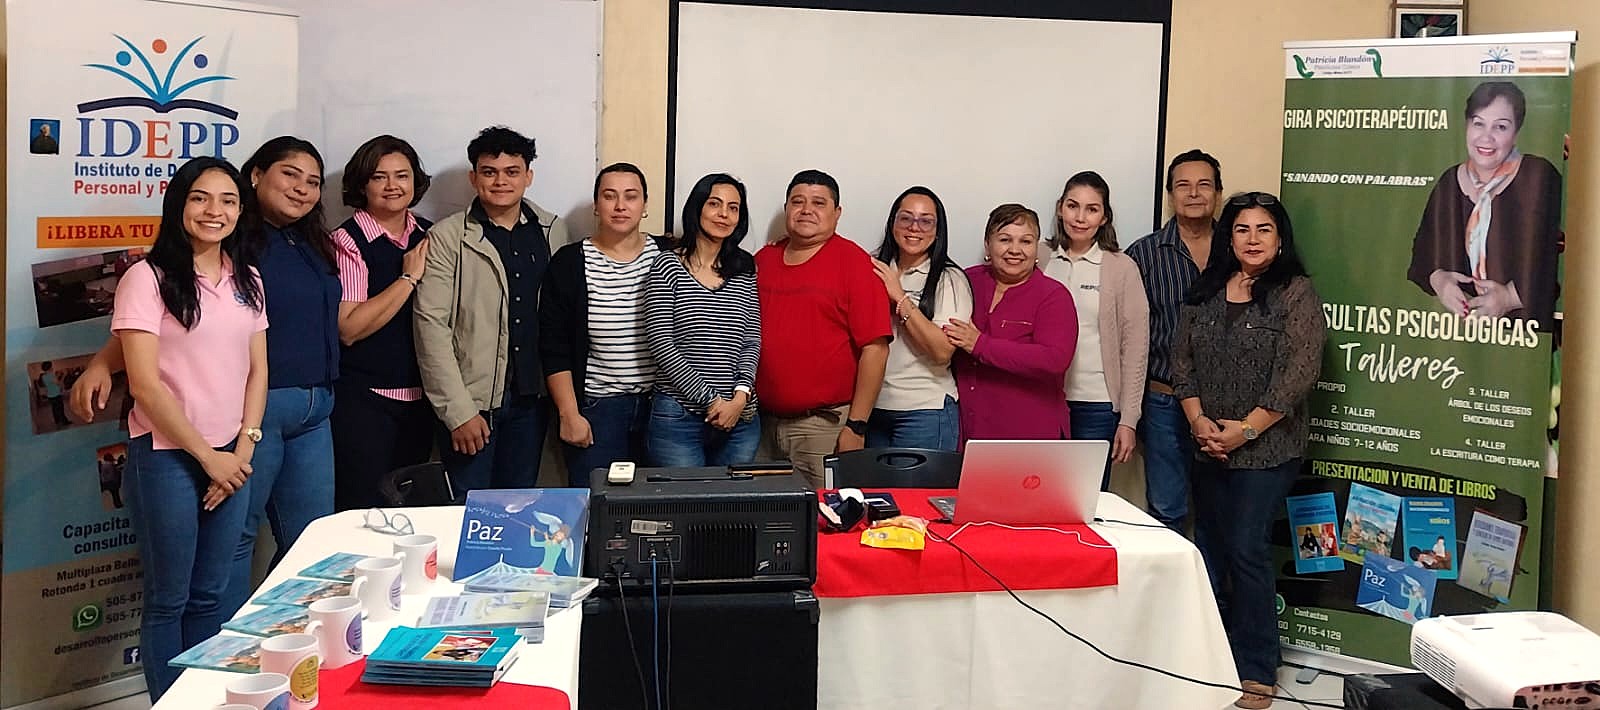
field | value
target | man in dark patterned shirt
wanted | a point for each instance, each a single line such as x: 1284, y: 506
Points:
x: 1169, y: 260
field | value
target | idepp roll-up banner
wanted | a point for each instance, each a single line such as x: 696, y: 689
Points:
x: 1425, y: 181
x: 106, y: 98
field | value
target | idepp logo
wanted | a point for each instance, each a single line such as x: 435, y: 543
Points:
x: 154, y: 138
x: 1497, y: 61
x: 160, y: 95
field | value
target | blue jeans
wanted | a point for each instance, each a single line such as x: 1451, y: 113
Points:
x: 511, y: 458
x: 938, y: 429
x: 187, y: 553
x: 679, y: 437
x: 1095, y: 421
x: 292, y: 481
x: 618, y: 425
x: 1168, y: 457
x: 1236, y: 508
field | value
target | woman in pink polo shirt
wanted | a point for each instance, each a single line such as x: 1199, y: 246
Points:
x: 192, y: 321
x: 1013, y: 356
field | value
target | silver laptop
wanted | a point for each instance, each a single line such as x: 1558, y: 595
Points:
x: 1030, y: 482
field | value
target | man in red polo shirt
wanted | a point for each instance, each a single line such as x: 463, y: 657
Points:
x: 824, y: 331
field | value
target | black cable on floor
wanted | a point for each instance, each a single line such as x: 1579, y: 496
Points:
x: 1096, y: 649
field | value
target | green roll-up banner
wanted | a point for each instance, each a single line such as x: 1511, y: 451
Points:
x: 1425, y: 180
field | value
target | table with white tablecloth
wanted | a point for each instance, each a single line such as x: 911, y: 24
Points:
x: 985, y: 651
x: 552, y: 664
x: 945, y: 651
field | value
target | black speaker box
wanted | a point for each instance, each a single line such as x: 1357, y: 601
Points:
x: 717, y: 651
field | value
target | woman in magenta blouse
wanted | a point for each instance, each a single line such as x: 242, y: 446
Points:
x: 1012, y: 358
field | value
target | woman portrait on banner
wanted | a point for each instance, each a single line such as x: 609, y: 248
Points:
x: 917, y: 406
x: 381, y: 421
x: 1015, y: 351
x: 1491, y: 232
x: 191, y: 323
x: 293, y: 456
x: 703, y: 323
x: 1249, y: 349
x: 1105, y: 385
x: 591, y: 329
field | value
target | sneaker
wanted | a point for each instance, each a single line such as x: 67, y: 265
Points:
x: 1257, y: 696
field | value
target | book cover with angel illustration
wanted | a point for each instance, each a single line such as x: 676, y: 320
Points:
x: 536, y: 530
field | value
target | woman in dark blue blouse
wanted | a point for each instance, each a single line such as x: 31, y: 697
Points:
x: 292, y: 479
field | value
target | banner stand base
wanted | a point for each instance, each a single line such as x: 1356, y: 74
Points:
x: 1335, y: 663
x: 89, y: 697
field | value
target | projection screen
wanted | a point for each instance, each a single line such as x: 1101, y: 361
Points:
x: 983, y: 110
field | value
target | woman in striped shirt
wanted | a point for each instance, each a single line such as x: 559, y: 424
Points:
x: 592, y: 341
x: 703, y: 322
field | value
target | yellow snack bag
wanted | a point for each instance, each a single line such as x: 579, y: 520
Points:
x: 897, y: 533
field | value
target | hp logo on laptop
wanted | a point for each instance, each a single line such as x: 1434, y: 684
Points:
x: 1030, y: 482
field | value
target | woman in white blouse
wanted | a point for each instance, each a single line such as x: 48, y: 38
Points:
x: 917, y: 407
x: 1105, y: 385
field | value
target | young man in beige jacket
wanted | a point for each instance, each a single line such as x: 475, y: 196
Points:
x: 477, y: 324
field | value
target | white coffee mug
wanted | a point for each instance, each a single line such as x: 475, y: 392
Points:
x: 419, y: 561
x: 295, y: 656
x: 261, y: 691
x: 336, y: 623
x: 377, y: 585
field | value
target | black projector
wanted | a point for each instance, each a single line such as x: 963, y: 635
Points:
x: 703, y: 529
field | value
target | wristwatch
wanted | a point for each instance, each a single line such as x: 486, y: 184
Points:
x: 253, y: 433
x: 856, y: 426
x: 1250, y: 432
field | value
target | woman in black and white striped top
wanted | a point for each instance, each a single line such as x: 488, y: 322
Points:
x: 703, y: 324
x: 592, y: 343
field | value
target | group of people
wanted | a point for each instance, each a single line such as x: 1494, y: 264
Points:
x: 394, y: 333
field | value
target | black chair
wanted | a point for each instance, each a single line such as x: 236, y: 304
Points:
x: 895, y: 468
x: 417, y: 485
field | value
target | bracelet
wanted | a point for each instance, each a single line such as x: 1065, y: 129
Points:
x: 410, y: 278
x: 905, y: 315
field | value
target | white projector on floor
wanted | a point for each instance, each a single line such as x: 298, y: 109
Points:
x: 1511, y: 659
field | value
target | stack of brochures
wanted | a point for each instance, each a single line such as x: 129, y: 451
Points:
x: 522, y: 611
x: 563, y: 591
x: 470, y: 658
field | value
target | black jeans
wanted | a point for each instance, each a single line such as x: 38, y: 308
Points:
x: 1234, y: 512
x: 373, y: 435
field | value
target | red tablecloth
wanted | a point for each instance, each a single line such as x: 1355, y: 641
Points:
x: 342, y: 688
x: 1023, y: 559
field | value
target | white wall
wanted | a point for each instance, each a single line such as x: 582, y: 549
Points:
x: 435, y: 73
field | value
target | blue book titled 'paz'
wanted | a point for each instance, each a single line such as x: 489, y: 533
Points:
x: 1395, y: 589
x: 535, y: 530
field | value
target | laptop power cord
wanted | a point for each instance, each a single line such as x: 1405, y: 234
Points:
x: 1096, y: 649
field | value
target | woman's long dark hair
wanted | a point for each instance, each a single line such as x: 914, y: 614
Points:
x: 731, y: 260
x: 312, y: 227
x: 1223, y: 262
x: 938, y: 253
x: 172, y: 255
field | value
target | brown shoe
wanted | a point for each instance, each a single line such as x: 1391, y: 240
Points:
x: 1257, y: 696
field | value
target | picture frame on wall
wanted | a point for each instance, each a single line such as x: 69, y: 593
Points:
x: 1429, y: 18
